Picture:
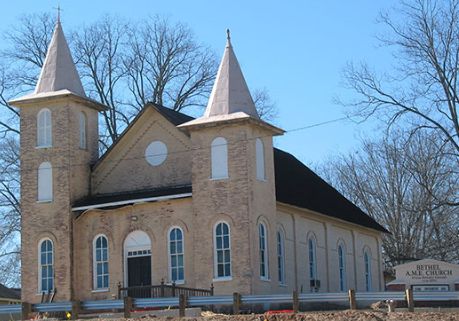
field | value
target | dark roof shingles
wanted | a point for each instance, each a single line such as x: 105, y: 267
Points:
x: 297, y: 185
x: 7, y: 293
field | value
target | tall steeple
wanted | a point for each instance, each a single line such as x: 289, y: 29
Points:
x: 59, y: 71
x: 230, y: 93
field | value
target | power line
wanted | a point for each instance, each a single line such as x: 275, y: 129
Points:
x: 296, y: 129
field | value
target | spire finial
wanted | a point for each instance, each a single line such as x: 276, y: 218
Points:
x: 58, y: 12
x: 228, y: 37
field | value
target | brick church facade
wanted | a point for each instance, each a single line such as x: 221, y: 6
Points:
x: 190, y: 201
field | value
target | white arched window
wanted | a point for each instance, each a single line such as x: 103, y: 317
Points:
x: 367, y: 262
x: 260, y: 159
x: 44, y: 128
x: 312, y: 260
x: 176, y: 265
x: 82, y: 122
x: 219, y: 158
x: 100, y: 262
x: 46, y: 270
x: 281, y: 256
x: 342, y: 267
x: 263, y: 247
x: 222, y: 258
x: 45, y: 182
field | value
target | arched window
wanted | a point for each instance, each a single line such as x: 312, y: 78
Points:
x: 342, y: 268
x: 176, y: 269
x: 46, y: 272
x: 44, y: 128
x: 312, y: 260
x: 82, y: 121
x: 222, y: 259
x: 100, y: 262
x: 263, y: 244
x: 260, y: 159
x: 367, y: 262
x: 45, y: 182
x: 281, y: 256
x: 219, y: 158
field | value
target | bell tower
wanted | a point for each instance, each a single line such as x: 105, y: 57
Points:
x: 59, y: 142
x: 233, y: 183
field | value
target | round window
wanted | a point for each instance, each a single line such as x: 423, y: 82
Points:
x: 156, y: 153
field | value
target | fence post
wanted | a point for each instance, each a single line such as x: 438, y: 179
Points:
x: 236, y: 303
x: 182, y: 305
x: 119, y: 290
x: 162, y: 288
x: 212, y: 289
x: 352, y: 302
x: 173, y: 289
x: 296, y: 302
x: 409, y: 300
x: 127, y: 306
x: 26, y: 310
x: 75, y: 309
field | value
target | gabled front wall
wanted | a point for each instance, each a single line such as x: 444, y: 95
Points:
x: 125, y: 168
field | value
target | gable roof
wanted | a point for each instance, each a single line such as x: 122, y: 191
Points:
x: 296, y: 184
x: 6, y: 293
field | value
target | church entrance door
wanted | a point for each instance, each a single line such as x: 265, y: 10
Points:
x: 137, y: 262
x: 139, y: 271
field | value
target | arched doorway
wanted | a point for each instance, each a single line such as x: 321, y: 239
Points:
x: 137, y: 259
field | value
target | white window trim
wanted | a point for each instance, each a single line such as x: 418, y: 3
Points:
x: 169, y: 254
x: 83, y: 131
x: 216, y: 277
x: 260, y: 160
x: 39, y: 178
x: 314, y: 255
x: 212, y: 146
x: 94, y: 264
x: 369, y: 284
x: 344, y: 279
x: 266, y: 250
x: 280, y: 233
x: 44, y: 132
x: 40, y: 290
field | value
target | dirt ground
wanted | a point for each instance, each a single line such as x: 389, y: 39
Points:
x: 316, y: 316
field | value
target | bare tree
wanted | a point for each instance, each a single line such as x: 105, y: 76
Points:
x: 266, y: 108
x: 167, y: 66
x: 99, y: 52
x: 423, y: 88
x: 10, y: 214
x: 383, y: 179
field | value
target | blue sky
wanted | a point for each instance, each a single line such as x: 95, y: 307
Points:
x: 296, y: 49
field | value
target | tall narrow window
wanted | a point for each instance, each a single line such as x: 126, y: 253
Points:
x: 219, y: 158
x: 82, y: 121
x: 46, y: 272
x: 312, y: 260
x: 45, y: 182
x: 263, y: 245
x: 44, y: 128
x: 342, y: 268
x: 222, y: 251
x: 367, y: 262
x: 260, y: 159
x: 176, y: 255
x: 101, y: 275
x: 281, y: 257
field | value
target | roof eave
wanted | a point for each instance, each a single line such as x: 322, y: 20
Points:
x: 192, y: 125
x: 31, y: 100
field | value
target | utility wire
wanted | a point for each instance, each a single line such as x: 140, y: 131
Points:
x: 191, y: 149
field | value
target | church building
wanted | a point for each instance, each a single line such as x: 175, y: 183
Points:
x: 191, y: 201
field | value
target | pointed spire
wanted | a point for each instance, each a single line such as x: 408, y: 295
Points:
x: 230, y: 93
x: 59, y: 71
